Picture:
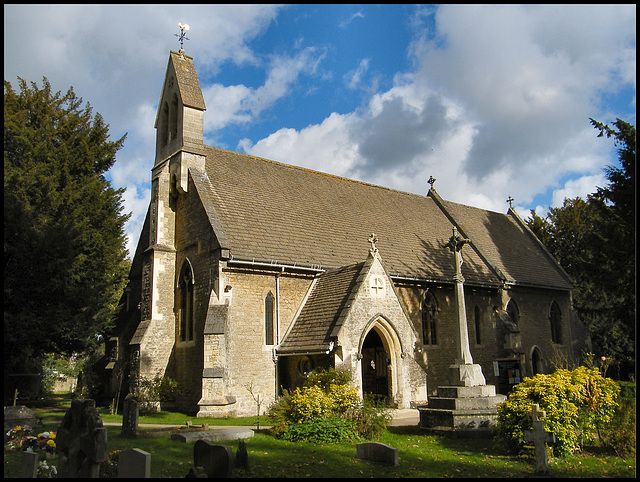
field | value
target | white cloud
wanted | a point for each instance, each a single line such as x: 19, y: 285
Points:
x: 579, y: 187
x: 353, y: 78
x: 504, y: 107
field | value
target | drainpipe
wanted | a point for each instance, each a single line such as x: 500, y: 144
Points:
x: 277, y: 334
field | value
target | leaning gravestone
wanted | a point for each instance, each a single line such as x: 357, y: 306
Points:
x: 18, y: 415
x: 81, y: 441
x: 216, y: 460
x: 134, y: 463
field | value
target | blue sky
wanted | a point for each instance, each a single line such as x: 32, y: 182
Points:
x: 493, y: 101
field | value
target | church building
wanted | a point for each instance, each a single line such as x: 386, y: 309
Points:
x: 250, y: 273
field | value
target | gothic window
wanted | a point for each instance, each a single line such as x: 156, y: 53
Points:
x: 512, y: 311
x: 477, y: 319
x: 185, y: 288
x: 429, y: 329
x: 268, y: 319
x: 173, y: 118
x: 555, y: 318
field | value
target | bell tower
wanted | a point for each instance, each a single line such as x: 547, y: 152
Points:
x: 179, y: 147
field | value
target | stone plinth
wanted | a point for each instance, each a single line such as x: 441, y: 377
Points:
x: 468, y: 410
x: 466, y: 375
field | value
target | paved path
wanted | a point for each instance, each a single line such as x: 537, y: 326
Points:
x: 401, y: 417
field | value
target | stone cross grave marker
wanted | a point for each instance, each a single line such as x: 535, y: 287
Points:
x: 81, y: 441
x: 540, y: 438
x: 134, y: 463
x: 130, y: 413
x: 29, y: 468
x: 216, y: 460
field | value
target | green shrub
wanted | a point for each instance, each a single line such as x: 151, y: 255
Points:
x: 151, y: 392
x: 620, y: 434
x: 577, y: 404
x: 322, y: 430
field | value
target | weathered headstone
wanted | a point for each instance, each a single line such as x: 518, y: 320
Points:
x: 29, y: 469
x: 216, y: 460
x: 18, y: 415
x: 242, y: 457
x: 81, y: 441
x: 130, y: 413
x: 134, y: 463
x: 540, y: 438
x: 377, y: 452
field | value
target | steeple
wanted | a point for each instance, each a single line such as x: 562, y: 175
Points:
x: 179, y: 120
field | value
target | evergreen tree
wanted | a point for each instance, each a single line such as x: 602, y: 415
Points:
x: 64, y: 242
x: 594, y: 240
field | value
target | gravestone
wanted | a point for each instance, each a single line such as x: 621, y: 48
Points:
x: 216, y: 460
x: 242, y: 457
x: 18, y: 415
x: 213, y: 435
x: 81, y: 441
x: 130, y: 413
x: 540, y: 438
x: 377, y: 452
x: 29, y: 469
x: 134, y: 463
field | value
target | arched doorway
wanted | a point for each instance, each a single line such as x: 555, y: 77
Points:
x: 536, y: 361
x: 376, y: 367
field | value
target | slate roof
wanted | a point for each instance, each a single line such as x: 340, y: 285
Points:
x: 327, y: 301
x: 187, y: 78
x: 271, y: 212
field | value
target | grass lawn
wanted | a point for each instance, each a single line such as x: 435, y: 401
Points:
x: 420, y: 455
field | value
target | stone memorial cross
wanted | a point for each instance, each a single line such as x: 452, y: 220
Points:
x: 540, y: 438
x: 463, y: 357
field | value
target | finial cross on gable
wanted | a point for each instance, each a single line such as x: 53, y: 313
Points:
x: 373, y: 239
x: 431, y: 181
x: 510, y: 201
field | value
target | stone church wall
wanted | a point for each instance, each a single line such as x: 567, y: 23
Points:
x: 250, y: 360
x: 194, y: 241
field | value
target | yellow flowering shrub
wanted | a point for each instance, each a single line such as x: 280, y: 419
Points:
x: 576, y: 403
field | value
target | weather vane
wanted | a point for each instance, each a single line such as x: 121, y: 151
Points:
x: 183, y: 36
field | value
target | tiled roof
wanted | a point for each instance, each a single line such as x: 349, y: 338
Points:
x: 187, y: 78
x: 311, y: 332
x: 275, y: 212
x: 510, y: 246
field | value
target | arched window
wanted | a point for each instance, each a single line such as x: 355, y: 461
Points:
x: 268, y: 319
x: 512, y: 311
x: 185, y: 288
x: 429, y: 328
x: 173, y: 118
x: 477, y: 319
x: 555, y: 319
